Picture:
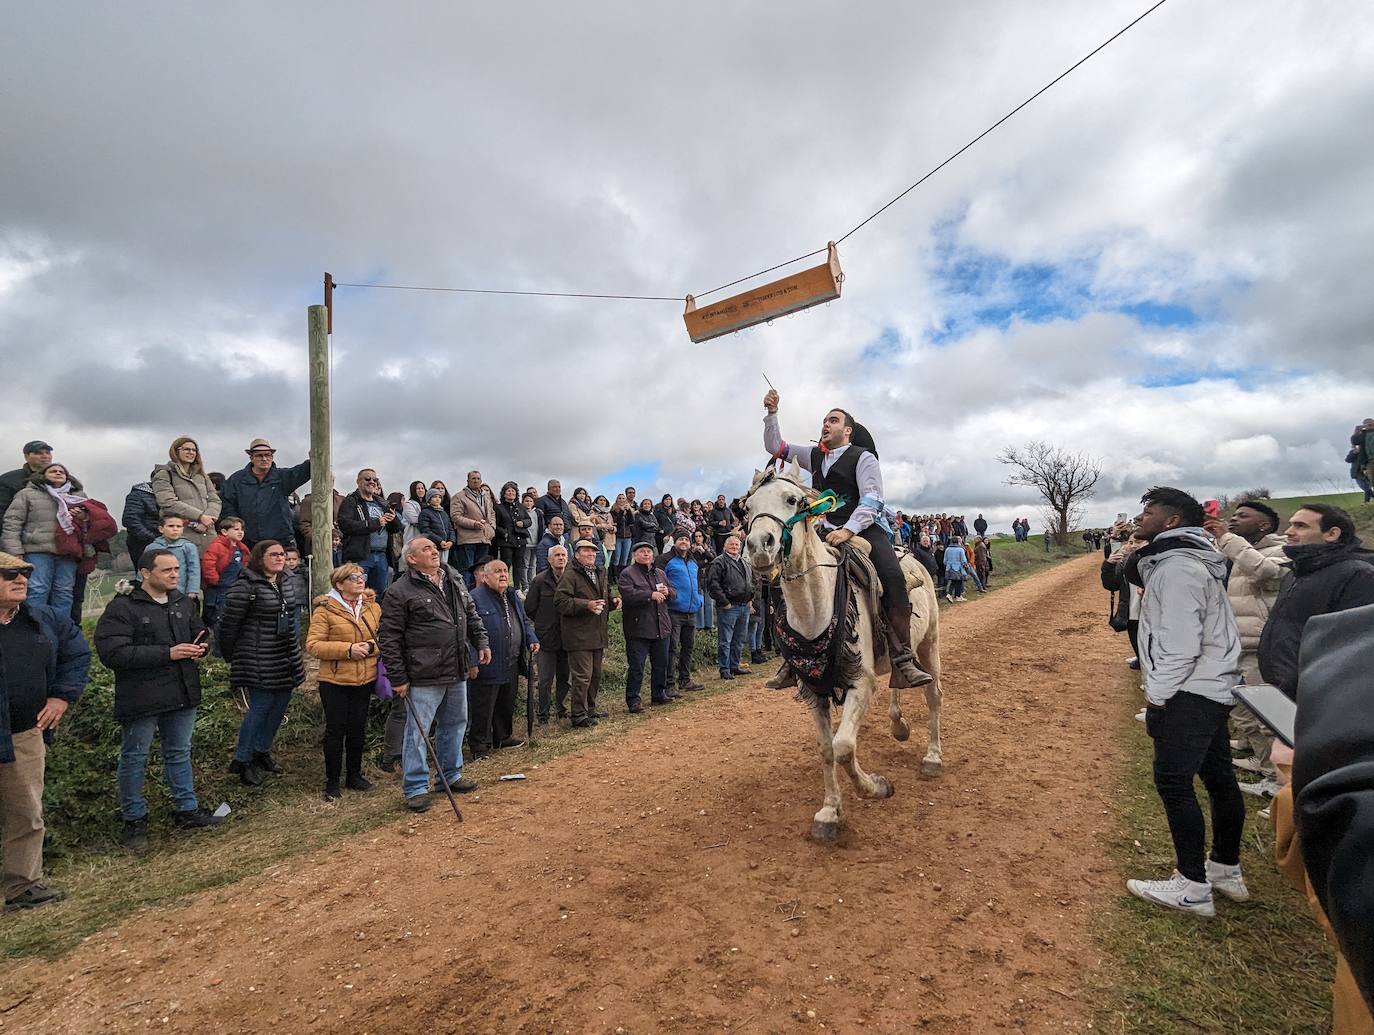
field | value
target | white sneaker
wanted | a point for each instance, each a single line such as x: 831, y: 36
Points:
x: 961, y: 600
x: 1228, y: 880
x: 1265, y: 788
x: 1263, y: 813
x: 1249, y: 765
x: 1140, y: 715
x: 1178, y: 892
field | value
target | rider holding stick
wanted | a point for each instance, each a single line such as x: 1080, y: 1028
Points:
x: 850, y: 469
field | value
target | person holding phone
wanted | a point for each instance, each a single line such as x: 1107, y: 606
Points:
x: 151, y: 637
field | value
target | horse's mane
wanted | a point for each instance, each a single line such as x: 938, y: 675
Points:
x: 791, y: 473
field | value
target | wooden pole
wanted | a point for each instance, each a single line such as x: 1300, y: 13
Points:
x: 321, y: 462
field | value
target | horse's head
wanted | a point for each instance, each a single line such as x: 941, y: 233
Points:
x: 772, y: 500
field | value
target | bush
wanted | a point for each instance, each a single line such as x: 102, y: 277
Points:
x: 1252, y: 494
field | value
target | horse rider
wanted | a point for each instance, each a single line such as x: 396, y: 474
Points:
x: 847, y: 464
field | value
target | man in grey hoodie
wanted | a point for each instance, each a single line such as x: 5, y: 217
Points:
x: 1189, y: 666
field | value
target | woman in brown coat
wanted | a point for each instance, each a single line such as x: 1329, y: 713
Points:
x: 183, y: 488
x: 343, y: 635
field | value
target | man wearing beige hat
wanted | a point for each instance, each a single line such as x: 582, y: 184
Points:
x: 43, y: 665
x: 258, y: 494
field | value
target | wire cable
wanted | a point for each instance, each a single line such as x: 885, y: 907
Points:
x: 492, y: 291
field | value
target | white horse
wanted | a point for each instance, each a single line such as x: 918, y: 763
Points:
x: 808, y: 573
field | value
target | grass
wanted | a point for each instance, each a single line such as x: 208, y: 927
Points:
x: 287, y: 816
x: 1263, y: 967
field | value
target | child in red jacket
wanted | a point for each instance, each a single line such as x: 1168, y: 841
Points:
x: 220, y: 567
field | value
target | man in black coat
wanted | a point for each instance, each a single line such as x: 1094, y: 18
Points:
x: 719, y: 521
x: 1330, y: 571
x: 44, y: 661
x: 151, y: 637
x: 365, y: 521
x: 644, y: 595
x: 259, y: 493
x: 432, y: 642
x: 552, y: 660
x: 552, y: 505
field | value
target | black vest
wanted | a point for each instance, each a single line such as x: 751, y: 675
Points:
x: 843, y: 480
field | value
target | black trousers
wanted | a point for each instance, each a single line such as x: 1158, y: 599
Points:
x: 682, y: 640
x: 345, y: 726
x: 552, y: 666
x: 1191, y: 740
x: 889, y: 569
x: 637, y: 650
x: 491, y: 715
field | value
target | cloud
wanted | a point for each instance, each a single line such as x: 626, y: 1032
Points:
x: 1161, y: 261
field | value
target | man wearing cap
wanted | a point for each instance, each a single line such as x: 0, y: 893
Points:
x: 37, y: 455
x: 645, y: 595
x: 259, y: 494
x: 850, y: 469
x: 585, y: 604
x: 552, y: 661
x: 681, y: 572
x: 43, y: 665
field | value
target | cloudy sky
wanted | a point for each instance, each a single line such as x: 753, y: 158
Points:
x: 1164, y: 261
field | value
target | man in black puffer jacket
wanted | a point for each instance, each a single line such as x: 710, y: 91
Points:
x: 1330, y: 571
x: 148, y: 636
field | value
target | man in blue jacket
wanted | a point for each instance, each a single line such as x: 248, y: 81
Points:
x: 258, y: 494
x: 491, y: 694
x: 44, y: 661
x: 681, y: 572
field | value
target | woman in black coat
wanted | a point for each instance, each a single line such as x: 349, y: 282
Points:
x: 646, y: 528
x: 513, y: 524
x: 259, y: 634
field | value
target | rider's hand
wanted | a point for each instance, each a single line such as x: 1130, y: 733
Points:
x: 839, y: 537
x: 770, y: 401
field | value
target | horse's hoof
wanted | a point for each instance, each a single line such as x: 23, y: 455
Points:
x: 900, y: 730
x: 883, y: 787
x: 931, y: 768
x: 825, y: 833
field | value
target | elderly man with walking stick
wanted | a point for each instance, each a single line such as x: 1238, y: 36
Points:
x: 432, y: 641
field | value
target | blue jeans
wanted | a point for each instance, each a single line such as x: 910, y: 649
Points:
x: 636, y: 650
x: 732, y: 626
x: 463, y: 556
x: 706, y: 616
x: 447, y: 708
x: 175, y: 728
x: 622, y: 557
x: 377, y: 570
x: 52, y: 581
x: 266, y: 708
x: 755, y: 632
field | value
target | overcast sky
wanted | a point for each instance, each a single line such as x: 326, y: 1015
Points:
x: 1164, y: 261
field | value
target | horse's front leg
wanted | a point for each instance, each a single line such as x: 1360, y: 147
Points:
x: 826, y: 825
x: 933, y: 764
x: 868, y: 785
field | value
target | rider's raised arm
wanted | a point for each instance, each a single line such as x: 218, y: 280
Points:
x: 772, y: 441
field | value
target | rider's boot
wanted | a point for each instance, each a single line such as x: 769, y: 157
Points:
x: 785, y: 677
x: 905, y: 672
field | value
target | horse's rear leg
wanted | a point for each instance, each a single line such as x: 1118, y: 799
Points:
x: 826, y: 824
x: 867, y: 785
x: 929, y: 654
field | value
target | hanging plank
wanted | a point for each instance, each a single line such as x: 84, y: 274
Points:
x: 789, y: 295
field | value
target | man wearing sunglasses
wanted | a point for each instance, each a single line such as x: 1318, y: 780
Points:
x: 44, y: 661
x: 259, y: 494
x: 365, y: 522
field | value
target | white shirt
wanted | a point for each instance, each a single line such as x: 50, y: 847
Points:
x: 867, y: 472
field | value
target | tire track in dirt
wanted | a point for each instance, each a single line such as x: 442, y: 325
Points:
x: 662, y: 881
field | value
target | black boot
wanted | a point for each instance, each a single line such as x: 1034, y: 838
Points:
x: 264, y: 761
x: 135, y: 837
x: 247, y: 773
x: 905, y: 672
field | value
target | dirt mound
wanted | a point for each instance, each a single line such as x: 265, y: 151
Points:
x: 664, y: 882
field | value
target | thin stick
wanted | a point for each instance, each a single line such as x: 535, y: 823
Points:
x: 1057, y: 992
x: 721, y: 845
x: 770, y: 383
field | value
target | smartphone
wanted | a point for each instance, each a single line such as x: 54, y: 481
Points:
x: 1212, y: 508
x: 201, y: 637
x: 1272, y: 707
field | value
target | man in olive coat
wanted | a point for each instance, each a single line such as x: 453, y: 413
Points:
x: 585, y: 604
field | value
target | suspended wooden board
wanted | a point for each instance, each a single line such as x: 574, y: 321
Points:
x: 789, y: 295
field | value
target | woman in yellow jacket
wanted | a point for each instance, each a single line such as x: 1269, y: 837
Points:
x: 343, y: 635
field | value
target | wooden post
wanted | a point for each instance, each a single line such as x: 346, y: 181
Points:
x: 321, y: 463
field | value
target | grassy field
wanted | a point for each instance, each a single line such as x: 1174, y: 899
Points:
x: 1262, y: 967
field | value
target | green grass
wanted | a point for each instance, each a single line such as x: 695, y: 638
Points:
x: 1261, y: 967
x: 1351, y: 502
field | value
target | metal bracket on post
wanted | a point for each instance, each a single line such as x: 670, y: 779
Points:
x: 329, y: 286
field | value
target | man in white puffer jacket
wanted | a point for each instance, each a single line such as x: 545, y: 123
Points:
x: 1189, y: 664
x: 1251, y: 542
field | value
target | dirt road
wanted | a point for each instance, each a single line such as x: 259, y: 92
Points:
x: 663, y: 881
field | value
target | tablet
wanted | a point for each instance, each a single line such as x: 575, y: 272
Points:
x: 1272, y: 707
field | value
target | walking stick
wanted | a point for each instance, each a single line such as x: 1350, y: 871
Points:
x: 434, y: 755
x: 529, y: 695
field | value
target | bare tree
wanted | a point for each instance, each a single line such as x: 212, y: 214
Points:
x: 1065, y: 481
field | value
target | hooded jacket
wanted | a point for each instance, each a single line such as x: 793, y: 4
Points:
x: 1322, y: 578
x: 259, y: 634
x: 134, y: 638
x: 1256, y: 571
x: 140, y: 520
x: 1188, y: 638
x: 334, y: 629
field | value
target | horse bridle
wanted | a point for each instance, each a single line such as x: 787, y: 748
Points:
x: 784, y: 526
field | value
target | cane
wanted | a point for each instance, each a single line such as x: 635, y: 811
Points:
x: 433, y: 755
x: 529, y: 695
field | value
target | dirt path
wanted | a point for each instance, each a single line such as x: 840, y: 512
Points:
x: 663, y: 881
